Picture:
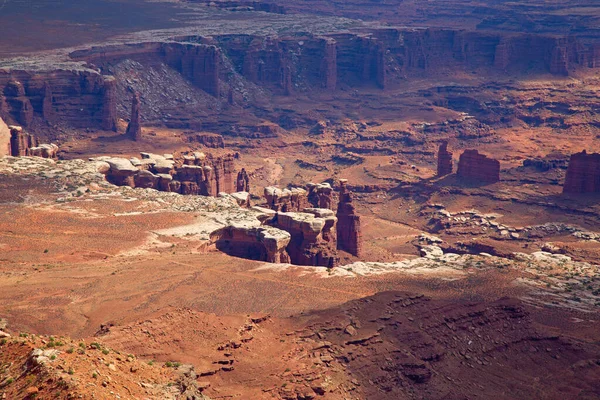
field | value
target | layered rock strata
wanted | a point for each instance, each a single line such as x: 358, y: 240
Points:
x: 194, y: 174
x: 349, y: 235
x: 444, y: 160
x: 264, y: 243
x: 286, y: 200
x: 25, y: 144
x: 81, y: 98
x: 321, y: 195
x: 313, y: 236
x: 473, y: 166
x: 583, y: 174
x: 210, y: 140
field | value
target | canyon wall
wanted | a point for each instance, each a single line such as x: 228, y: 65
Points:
x: 77, y: 98
x: 83, y: 97
x: 583, y: 174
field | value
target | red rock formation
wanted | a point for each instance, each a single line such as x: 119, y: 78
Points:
x: 288, y: 86
x: 109, y: 105
x: 48, y: 112
x: 198, y: 62
x: 583, y: 174
x: 444, y: 162
x: 286, y: 200
x: 321, y: 195
x: 243, y: 181
x: 195, y: 174
x: 312, y: 239
x: 478, y: 167
x: 24, y: 144
x: 134, y: 128
x: 263, y: 243
x: 18, y: 103
x: 5, y: 148
x: 349, y: 235
x: 21, y: 141
x: 211, y: 140
x: 80, y: 98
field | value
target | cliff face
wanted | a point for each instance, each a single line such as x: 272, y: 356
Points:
x: 283, y: 65
x: 313, y: 240
x: 79, y: 99
x: 195, y: 58
x: 583, y: 174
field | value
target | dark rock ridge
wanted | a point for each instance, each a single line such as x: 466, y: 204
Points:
x: 473, y: 166
x: 199, y: 61
x: 583, y: 174
x: 444, y: 160
x: 348, y: 228
x: 402, y: 345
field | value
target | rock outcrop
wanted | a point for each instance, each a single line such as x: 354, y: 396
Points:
x: 5, y: 147
x: 583, y: 174
x: 320, y: 195
x: 18, y: 103
x: 264, y: 243
x: 444, y: 160
x: 134, y: 128
x: 76, y: 97
x: 22, y: 144
x: 286, y: 200
x: 211, y: 140
x: 194, y: 174
x: 349, y: 235
x: 313, y: 238
x: 473, y: 166
x: 243, y: 181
